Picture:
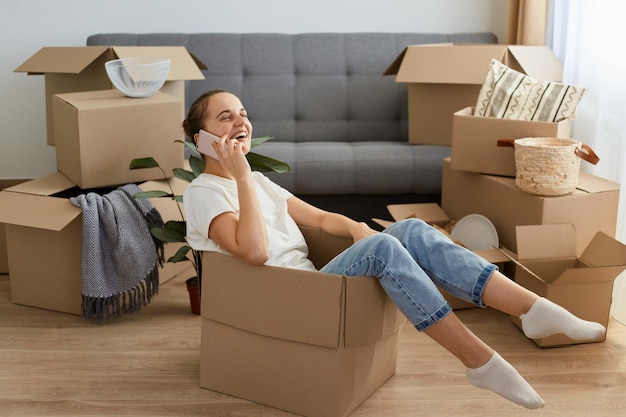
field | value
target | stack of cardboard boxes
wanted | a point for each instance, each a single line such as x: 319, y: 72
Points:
x: 582, y: 257
x: 97, y: 131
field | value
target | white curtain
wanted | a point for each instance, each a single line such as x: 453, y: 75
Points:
x: 590, y: 39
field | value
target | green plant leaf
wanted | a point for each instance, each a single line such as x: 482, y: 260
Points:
x: 153, y: 194
x: 191, y: 146
x: 172, y: 231
x: 183, y: 174
x: 180, y: 255
x: 197, y: 165
x: 263, y: 163
x: 141, y: 163
x: 260, y: 140
x: 177, y: 225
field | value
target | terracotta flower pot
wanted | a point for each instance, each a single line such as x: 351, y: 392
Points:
x: 194, y: 294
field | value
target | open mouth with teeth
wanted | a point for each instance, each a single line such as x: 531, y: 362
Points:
x: 240, y: 136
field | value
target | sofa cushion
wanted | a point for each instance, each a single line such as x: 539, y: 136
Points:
x: 358, y: 167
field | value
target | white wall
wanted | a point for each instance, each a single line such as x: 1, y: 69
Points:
x: 28, y: 25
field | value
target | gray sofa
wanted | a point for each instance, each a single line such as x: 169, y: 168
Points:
x: 339, y: 123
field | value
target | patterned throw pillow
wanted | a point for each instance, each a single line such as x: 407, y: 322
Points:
x: 509, y: 94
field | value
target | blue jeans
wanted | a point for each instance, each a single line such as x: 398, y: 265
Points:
x: 411, y: 259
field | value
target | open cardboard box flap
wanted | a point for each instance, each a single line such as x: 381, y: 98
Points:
x: 604, y: 254
x: 63, y: 59
x: 75, y: 59
x: 432, y: 213
x: 183, y: 66
x: 558, y: 241
x: 23, y: 204
x: 451, y: 63
x: 546, y: 241
x: 444, y: 63
x: 536, y: 61
x: 32, y: 203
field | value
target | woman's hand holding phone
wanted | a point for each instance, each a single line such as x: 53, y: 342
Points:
x: 233, y: 159
x: 205, y: 144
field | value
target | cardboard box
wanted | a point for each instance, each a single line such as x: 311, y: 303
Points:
x: 307, y: 342
x: 4, y: 261
x: 81, y: 68
x: 592, y: 207
x: 548, y: 265
x: 99, y: 132
x: 443, y: 78
x: 475, y: 140
x: 44, y: 244
x: 433, y: 214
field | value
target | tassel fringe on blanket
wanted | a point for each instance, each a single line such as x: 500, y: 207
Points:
x: 120, y: 258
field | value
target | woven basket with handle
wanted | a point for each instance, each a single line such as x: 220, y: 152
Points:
x: 548, y: 166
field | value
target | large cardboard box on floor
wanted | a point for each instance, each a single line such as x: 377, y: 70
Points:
x: 44, y: 243
x: 433, y: 214
x: 81, y: 68
x: 475, y: 140
x: 592, y: 207
x: 307, y: 342
x: 443, y: 78
x: 548, y: 265
x: 99, y: 132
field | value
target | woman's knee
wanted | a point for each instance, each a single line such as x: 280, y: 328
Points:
x: 383, y: 243
x: 408, y: 226
x: 382, y: 239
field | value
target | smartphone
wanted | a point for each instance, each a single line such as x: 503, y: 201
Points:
x: 204, y: 144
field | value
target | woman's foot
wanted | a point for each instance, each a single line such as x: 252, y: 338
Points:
x: 546, y: 318
x: 500, y: 377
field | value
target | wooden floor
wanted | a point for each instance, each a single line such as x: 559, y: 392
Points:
x: 55, y: 364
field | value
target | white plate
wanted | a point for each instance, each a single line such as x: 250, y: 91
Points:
x: 475, y: 232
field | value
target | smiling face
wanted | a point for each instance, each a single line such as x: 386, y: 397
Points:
x: 226, y: 116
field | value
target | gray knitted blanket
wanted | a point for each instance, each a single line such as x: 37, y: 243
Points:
x: 120, y: 258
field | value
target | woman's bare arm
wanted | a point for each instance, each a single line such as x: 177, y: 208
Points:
x: 337, y: 224
x: 244, y: 235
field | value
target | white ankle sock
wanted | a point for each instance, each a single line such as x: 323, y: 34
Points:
x: 546, y: 318
x: 500, y: 377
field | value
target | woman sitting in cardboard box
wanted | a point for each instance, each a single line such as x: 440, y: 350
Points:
x: 232, y: 210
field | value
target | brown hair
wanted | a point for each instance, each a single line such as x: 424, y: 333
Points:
x: 198, y: 112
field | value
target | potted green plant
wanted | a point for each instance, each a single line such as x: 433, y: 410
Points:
x: 174, y: 231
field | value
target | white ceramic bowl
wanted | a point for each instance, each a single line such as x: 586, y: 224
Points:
x: 138, y: 77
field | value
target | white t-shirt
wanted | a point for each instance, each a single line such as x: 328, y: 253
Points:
x: 209, y: 195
